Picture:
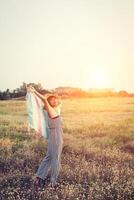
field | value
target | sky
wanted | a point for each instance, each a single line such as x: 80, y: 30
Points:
x: 77, y: 43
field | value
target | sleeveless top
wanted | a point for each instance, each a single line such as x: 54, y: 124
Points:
x: 55, y: 122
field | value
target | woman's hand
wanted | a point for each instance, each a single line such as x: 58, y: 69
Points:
x: 31, y: 89
x: 27, y: 89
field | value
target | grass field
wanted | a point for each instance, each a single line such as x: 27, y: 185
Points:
x: 97, y: 158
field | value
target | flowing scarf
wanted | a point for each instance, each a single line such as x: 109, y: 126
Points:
x: 36, y: 114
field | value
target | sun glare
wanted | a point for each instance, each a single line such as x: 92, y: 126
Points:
x: 97, y: 79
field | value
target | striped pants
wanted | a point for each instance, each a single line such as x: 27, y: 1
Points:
x: 53, y: 157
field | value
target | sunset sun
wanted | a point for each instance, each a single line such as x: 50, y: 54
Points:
x: 98, y: 78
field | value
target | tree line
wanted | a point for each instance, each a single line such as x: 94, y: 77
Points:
x: 64, y: 92
x: 20, y: 92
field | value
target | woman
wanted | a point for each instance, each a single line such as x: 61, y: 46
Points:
x: 55, y: 139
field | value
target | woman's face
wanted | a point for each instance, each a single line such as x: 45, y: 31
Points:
x: 53, y: 102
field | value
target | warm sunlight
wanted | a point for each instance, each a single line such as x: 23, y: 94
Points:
x: 98, y: 78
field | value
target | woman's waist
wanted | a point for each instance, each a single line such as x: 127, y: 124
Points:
x: 54, y: 127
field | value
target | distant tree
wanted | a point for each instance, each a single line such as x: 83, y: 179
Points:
x: 1, y: 95
x: 8, y: 94
x: 123, y: 93
x: 23, y: 86
x: 39, y: 86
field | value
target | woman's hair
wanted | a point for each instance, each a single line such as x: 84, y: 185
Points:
x: 54, y: 96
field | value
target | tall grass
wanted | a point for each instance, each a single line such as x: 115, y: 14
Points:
x: 97, y: 158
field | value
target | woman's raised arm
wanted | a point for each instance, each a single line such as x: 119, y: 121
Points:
x: 32, y: 89
x: 51, y: 111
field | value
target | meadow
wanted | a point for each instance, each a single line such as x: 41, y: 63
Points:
x: 97, y: 158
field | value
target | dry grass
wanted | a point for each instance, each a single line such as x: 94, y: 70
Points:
x: 97, y: 158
